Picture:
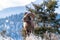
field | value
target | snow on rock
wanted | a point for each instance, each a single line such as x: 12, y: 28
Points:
x: 4, y: 37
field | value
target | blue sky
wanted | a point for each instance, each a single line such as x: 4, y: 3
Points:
x: 12, y: 7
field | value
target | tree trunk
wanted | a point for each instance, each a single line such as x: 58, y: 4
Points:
x: 50, y: 35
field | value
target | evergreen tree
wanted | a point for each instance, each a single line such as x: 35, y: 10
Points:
x: 45, y: 15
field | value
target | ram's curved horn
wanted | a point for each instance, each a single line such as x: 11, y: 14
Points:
x: 32, y: 15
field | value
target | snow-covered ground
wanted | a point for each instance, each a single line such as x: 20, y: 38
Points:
x: 4, y: 37
x: 46, y: 37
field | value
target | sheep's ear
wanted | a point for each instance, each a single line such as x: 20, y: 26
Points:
x: 25, y: 13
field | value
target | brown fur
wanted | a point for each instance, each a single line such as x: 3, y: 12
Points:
x: 28, y: 24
